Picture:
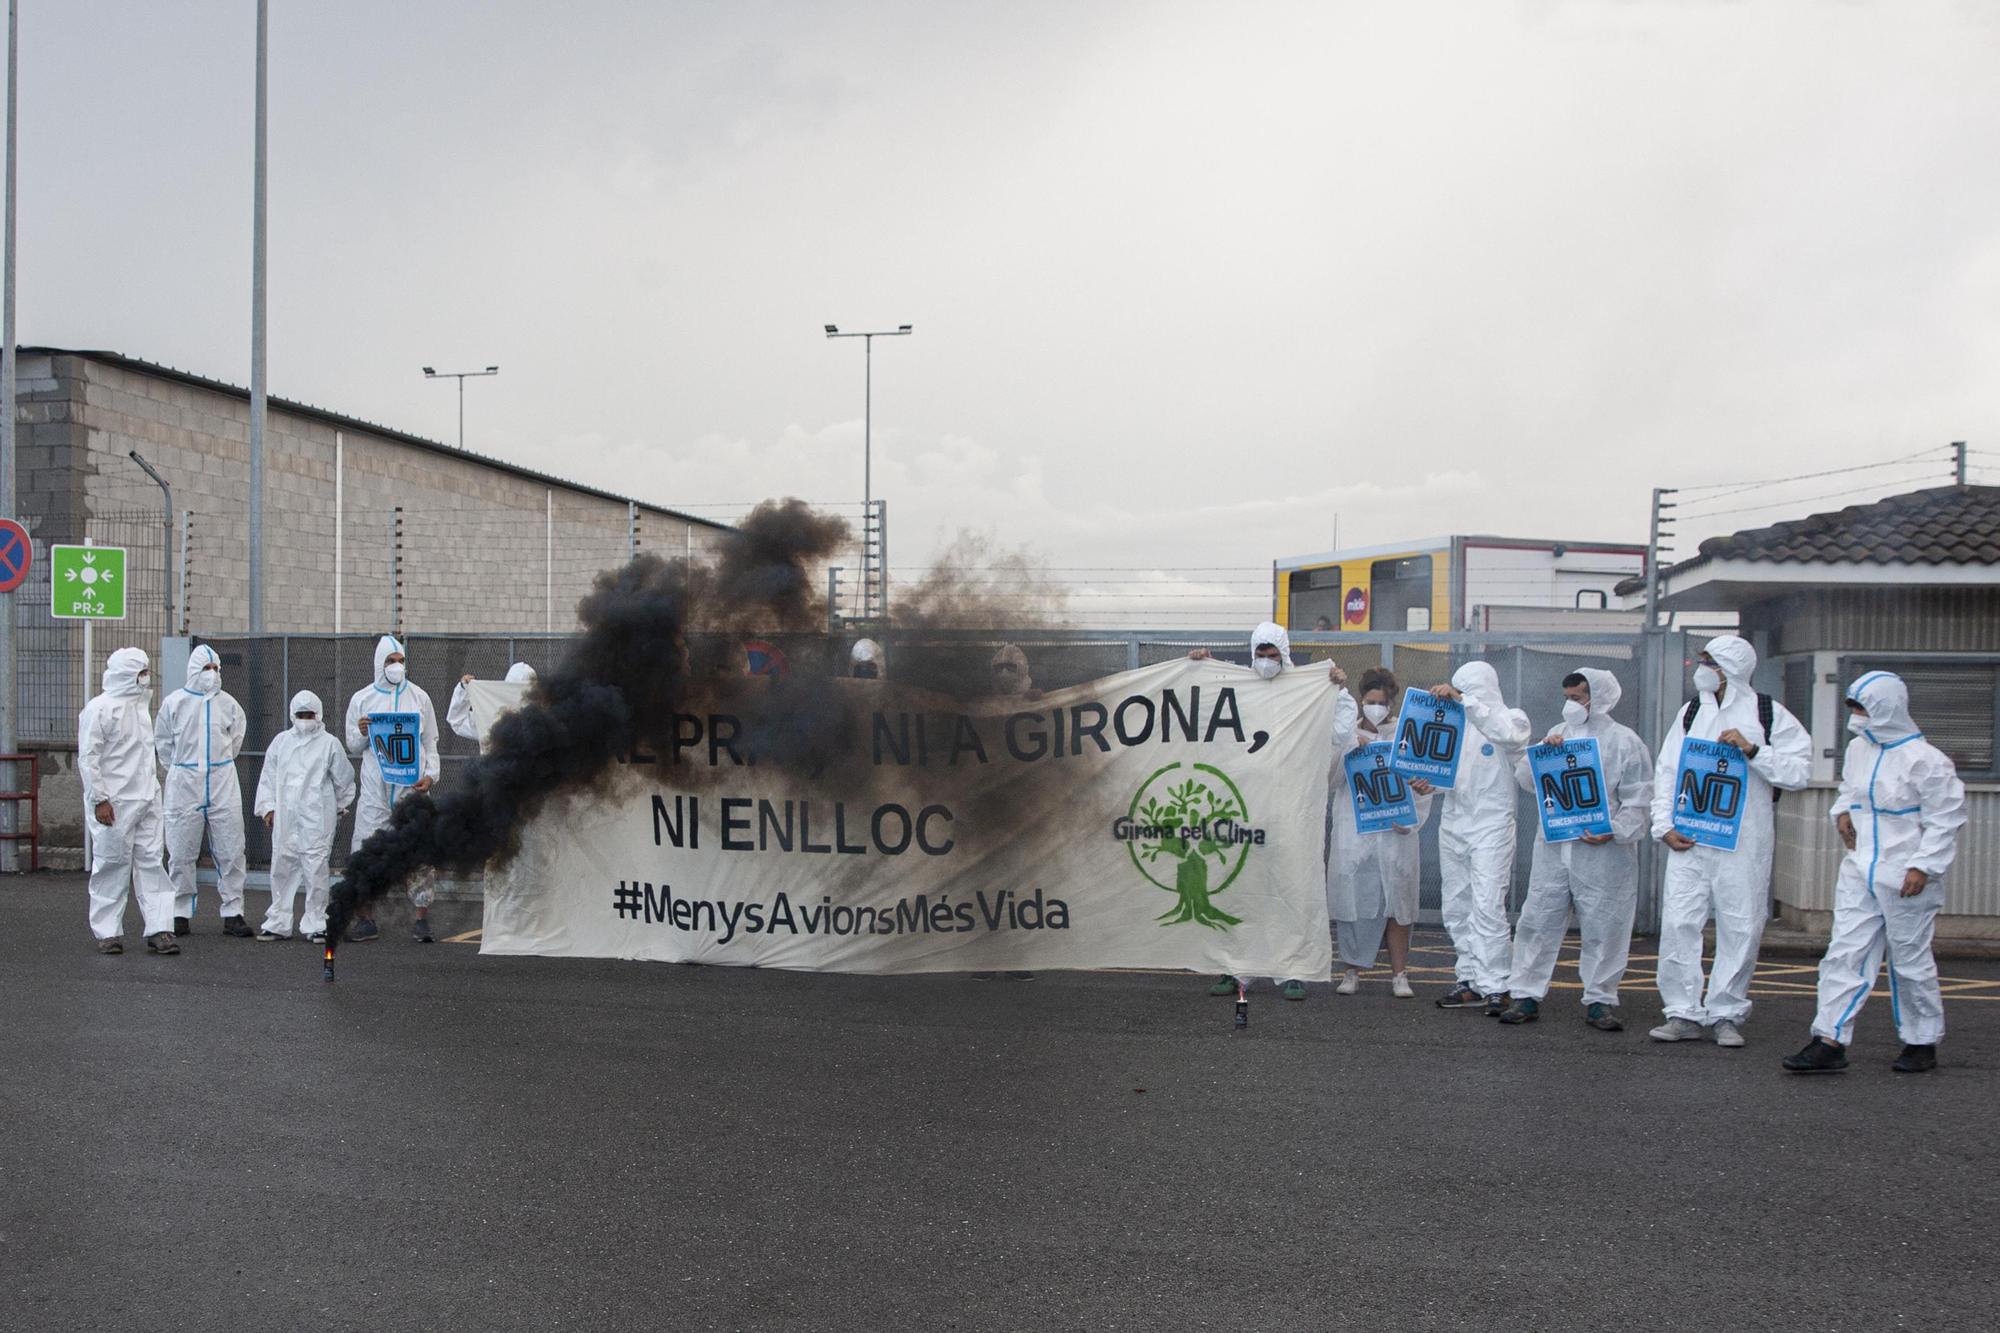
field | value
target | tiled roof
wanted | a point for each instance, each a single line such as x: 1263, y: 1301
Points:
x: 1945, y: 525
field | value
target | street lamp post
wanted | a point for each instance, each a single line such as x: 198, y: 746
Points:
x: 868, y: 337
x: 461, y: 376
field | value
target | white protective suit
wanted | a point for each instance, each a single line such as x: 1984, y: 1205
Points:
x: 1907, y: 805
x: 114, y: 757
x: 1476, y: 831
x: 197, y: 737
x: 458, y: 713
x: 1735, y: 886
x: 1371, y: 878
x: 307, y: 781
x: 1600, y: 881
x: 371, y: 810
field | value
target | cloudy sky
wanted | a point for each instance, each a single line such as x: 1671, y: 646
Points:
x: 1189, y: 280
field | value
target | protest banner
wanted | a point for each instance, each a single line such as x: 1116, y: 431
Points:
x: 1170, y: 817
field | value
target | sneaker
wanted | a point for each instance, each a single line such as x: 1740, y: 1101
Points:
x: 1916, y: 1060
x: 1603, y: 1018
x: 162, y: 943
x: 420, y: 930
x: 182, y: 926
x: 1399, y: 986
x: 985, y: 976
x: 1727, y: 1034
x: 1678, y: 1029
x: 237, y: 927
x: 317, y: 937
x: 1461, y: 996
x: 111, y: 945
x: 1224, y: 985
x: 1496, y: 1004
x: 1020, y: 976
x: 1522, y: 1011
x: 1293, y: 990
x: 1350, y: 983
x: 1817, y: 1057
x: 363, y: 930
x: 270, y: 936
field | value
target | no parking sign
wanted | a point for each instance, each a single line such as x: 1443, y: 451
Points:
x: 17, y: 554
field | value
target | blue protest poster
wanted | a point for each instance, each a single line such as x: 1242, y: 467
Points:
x: 397, y: 742
x: 1709, y: 791
x: 1430, y: 733
x: 1382, y: 799
x: 1569, y: 789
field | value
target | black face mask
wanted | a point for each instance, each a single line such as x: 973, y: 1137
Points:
x: 866, y: 671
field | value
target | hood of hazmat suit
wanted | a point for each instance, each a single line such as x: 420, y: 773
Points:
x: 383, y: 647
x: 306, y: 782
x: 1016, y: 682
x: 203, y: 658
x: 1735, y: 659
x: 1272, y: 633
x: 1906, y: 803
x: 521, y: 674
x: 121, y: 674
x: 1887, y: 700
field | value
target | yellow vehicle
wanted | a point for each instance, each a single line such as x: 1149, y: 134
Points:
x: 1446, y: 583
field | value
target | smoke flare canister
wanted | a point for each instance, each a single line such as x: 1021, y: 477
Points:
x: 1242, y: 1005
x: 328, y: 973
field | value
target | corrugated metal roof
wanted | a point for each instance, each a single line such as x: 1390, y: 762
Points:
x: 344, y: 422
x: 1943, y: 525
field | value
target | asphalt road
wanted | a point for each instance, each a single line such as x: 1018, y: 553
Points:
x: 444, y: 1141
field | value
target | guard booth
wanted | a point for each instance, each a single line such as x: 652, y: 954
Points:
x: 1910, y: 584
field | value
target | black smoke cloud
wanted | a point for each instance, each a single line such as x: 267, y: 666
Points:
x: 659, y: 637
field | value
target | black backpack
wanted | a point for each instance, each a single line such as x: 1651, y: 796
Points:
x: 1766, y: 710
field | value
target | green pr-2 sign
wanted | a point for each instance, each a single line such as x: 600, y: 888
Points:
x: 87, y: 582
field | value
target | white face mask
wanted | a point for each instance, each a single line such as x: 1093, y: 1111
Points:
x: 209, y: 681
x: 1574, y: 713
x: 394, y: 673
x: 1857, y: 723
x: 1266, y: 667
x: 1707, y: 679
x: 306, y: 726
x: 145, y: 680
x: 1376, y: 714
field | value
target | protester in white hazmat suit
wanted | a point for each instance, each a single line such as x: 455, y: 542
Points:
x: 458, y: 714
x: 121, y: 802
x: 1373, y: 880
x: 1476, y: 838
x: 1270, y: 653
x: 1597, y: 874
x: 1734, y: 886
x: 390, y: 692
x: 1898, y: 812
x: 197, y: 737
x: 307, y: 783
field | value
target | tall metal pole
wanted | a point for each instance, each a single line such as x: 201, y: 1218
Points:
x: 7, y: 392
x: 257, y: 337
x: 868, y: 419
x: 461, y: 412
x: 7, y: 422
x: 1957, y: 446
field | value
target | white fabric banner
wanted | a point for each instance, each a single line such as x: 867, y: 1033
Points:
x: 1170, y: 817
x: 488, y: 699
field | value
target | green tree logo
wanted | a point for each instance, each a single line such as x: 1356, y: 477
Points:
x: 1185, y: 804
